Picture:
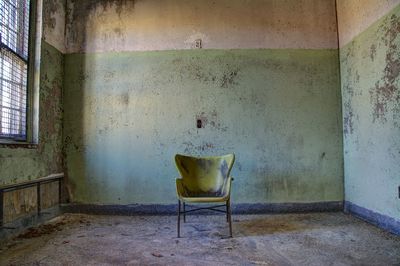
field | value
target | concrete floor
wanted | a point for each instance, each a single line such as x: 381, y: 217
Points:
x: 287, y: 239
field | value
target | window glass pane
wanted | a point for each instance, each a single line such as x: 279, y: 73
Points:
x: 13, y: 79
x: 14, y: 30
x: 14, y: 25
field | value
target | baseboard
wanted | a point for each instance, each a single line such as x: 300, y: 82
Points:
x: 260, y: 208
x: 382, y: 221
x: 171, y: 209
x: 131, y: 209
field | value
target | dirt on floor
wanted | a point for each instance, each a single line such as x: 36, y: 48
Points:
x: 284, y: 239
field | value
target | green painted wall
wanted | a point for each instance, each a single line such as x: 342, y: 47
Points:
x: 127, y: 114
x: 370, y: 72
x: 20, y: 163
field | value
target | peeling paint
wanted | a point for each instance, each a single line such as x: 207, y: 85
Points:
x: 30, y: 161
x: 386, y: 91
x: 45, y: 158
x: 54, y: 23
x: 348, y: 120
x: 50, y: 7
x: 370, y: 73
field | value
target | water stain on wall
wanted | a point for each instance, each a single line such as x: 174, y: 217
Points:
x: 85, y: 7
x: 49, y: 9
x: 79, y: 12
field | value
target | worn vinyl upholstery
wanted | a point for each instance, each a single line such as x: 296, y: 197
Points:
x: 204, y: 179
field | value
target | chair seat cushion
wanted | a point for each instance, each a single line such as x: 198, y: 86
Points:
x: 204, y: 199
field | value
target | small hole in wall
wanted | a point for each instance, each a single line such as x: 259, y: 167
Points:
x: 199, y: 123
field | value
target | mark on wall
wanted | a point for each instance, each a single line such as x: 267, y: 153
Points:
x: 348, y: 119
x: 50, y: 8
x: 78, y: 13
x: 85, y: 7
x: 385, y: 94
x: 124, y: 98
x: 211, y: 120
x: 195, y: 70
x: 373, y: 52
x: 229, y: 79
x: 54, y: 23
x: 190, y: 148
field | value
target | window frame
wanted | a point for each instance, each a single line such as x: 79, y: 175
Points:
x: 33, y: 80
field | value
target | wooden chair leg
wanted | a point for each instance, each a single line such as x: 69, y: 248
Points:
x: 230, y: 217
x: 184, y: 213
x: 179, y: 219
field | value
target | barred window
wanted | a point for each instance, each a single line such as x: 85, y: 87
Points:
x: 14, y: 56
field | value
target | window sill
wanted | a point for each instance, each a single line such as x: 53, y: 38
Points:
x: 17, y: 144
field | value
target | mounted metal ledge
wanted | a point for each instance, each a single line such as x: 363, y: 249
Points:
x: 31, y: 183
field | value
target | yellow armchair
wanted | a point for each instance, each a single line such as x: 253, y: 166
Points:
x: 204, y: 180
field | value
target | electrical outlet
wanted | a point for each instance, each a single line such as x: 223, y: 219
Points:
x: 197, y: 44
x: 199, y: 123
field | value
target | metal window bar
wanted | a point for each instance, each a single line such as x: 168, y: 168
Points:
x: 14, y: 36
x: 14, y: 26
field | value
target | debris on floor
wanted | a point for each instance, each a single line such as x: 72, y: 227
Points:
x: 279, y: 239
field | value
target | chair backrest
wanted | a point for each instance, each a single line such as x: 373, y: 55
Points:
x: 204, y: 175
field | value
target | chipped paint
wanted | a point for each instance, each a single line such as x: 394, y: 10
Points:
x: 26, y: 162
x: 21, y: 162
x: 370, y: 71
x: 46, y: 157
x: 54, y: 23
x: 277, y: 124
x: 386, y: 92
